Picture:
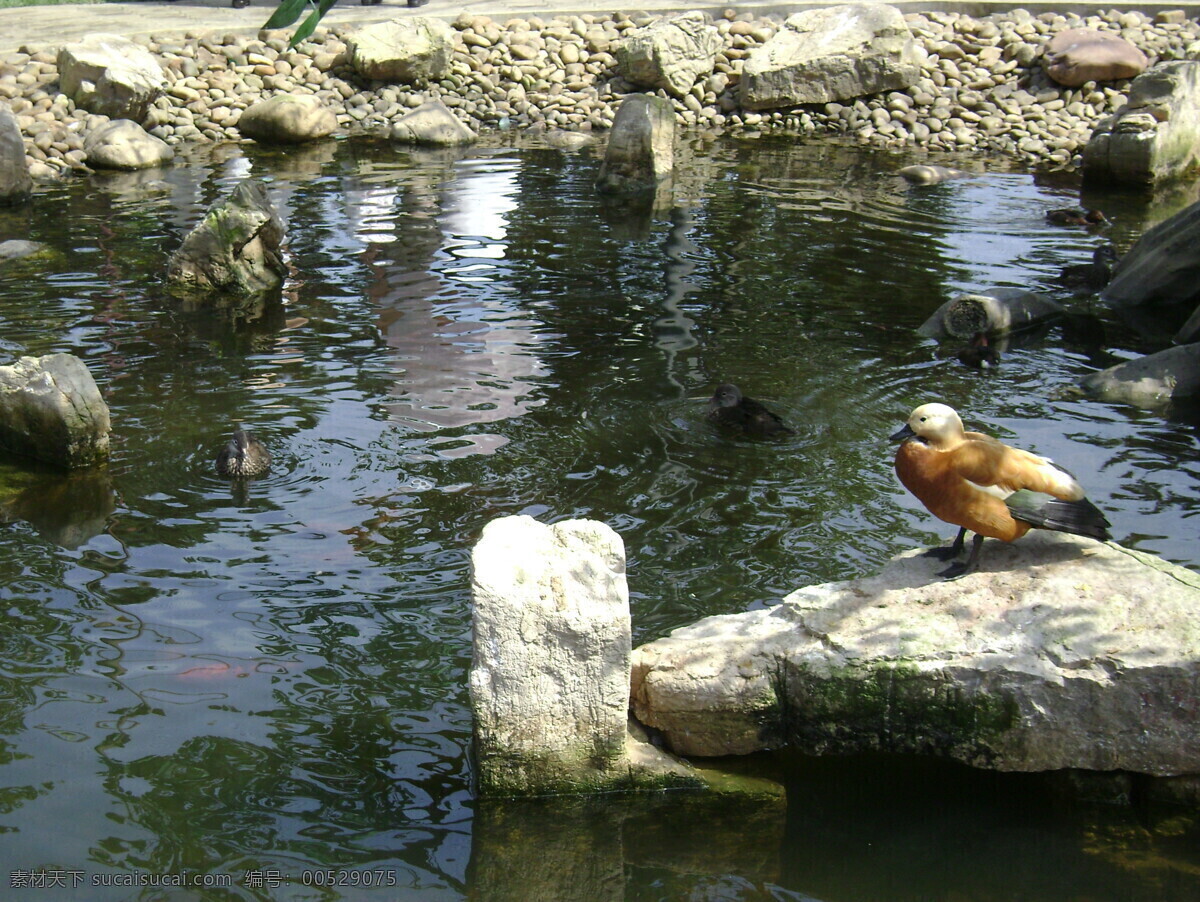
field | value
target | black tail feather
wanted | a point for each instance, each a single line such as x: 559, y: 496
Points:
x: 1081, y: 518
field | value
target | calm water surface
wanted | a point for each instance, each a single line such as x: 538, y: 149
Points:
x: 264, y: 682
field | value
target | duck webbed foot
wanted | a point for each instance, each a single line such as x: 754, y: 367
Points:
x: 948, y: 552
x: 970, y: 565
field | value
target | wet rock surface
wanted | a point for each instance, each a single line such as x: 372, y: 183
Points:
x: 1061, y: 652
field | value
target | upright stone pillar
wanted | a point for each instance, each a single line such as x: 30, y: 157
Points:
x: 641, y: 145
x: 549, y: 678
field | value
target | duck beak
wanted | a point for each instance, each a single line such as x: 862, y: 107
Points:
x: 905, y: 433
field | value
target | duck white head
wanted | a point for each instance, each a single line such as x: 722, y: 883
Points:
x: 937, y: 424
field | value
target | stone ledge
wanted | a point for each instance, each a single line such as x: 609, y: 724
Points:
x: 1061, y: 652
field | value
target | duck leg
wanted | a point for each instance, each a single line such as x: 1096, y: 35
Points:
x: 957, y: 571
x: 942, y: 553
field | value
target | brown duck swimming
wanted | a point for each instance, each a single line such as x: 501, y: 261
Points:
x: 243, y: 457
x: 1075, y: 216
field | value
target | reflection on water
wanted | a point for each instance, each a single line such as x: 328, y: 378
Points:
x: 199, y: 677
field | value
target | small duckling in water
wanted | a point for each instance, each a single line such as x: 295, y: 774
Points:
x: 1076, y: 216
x: 1091, y: 276
x: 979, y: 354
x: 730, y: 409
x: 243, y: 457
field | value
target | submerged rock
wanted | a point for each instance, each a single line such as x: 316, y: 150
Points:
x: 51, y: 410
x: 1061, y: 652
x: 1151, y: 381
x: 235, y: 248
x: 922, y: 174
x: 996, y: 311
x: 549, y: 679
x: 641, y: 148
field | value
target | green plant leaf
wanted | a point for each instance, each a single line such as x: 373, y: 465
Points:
x: 287, y: 13
x: 310, y: 24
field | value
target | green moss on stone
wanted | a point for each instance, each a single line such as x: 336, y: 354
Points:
x: 893, y: 707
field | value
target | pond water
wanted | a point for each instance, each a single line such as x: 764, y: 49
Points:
x: 265, y: 682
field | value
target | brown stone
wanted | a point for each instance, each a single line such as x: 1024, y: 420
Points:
x: 1079, y: 55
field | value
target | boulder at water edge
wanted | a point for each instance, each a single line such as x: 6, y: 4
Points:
x: 123, y: 144
x: 288, y: 119
x: 1161, y: 274
x: 641, y: 146
x: 110, y: 75
x: 432, y: 124
x: 51, y: 410
x: 549, y: 679
x: 235, y: 248
x: 1060, y: 652
x: 1151, y: 381
x: 823, y: 55
x: 16, y: 184
x: 405, y: 51
x: 1156, y: 135
x: 670, y: 53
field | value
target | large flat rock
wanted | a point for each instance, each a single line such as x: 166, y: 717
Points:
x: 1061, y: 652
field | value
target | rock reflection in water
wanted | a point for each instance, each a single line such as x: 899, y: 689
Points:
x: 463, y: 355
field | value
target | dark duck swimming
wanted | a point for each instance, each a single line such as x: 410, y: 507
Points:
x: 243, y: 457
x: 732, y: 410
x: 1091, y: 276
x: 979, y: 354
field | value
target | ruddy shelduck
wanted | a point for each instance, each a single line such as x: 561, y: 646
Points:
x: 981, y: 484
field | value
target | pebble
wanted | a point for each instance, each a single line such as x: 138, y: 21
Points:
x: 981, y: 84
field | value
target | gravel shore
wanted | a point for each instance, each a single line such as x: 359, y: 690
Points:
x: 982, y: 86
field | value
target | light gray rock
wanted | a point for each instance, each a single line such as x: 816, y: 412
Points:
x: 671, y: 53
x: 1076, y: 56
x: 995, y: 312
x: 51, y: 410
x: 921, y: 174
x: 235, y: 248
x: 110, y: 75
x: 641, y: 146
x: 1156, y: 135
x: 1062, y: 652
x: 408, y: 51
x: 1162, y: 269
x: 1151, y: 381
x: 549, y: 680
x: 16, y: 248
x: 433, y: 124
x: 124, y: 145
x: 16, y: 184
x: 288, y: 119
x: 836, y: 53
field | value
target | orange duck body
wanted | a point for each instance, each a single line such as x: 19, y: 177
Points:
x: 980, y: 484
